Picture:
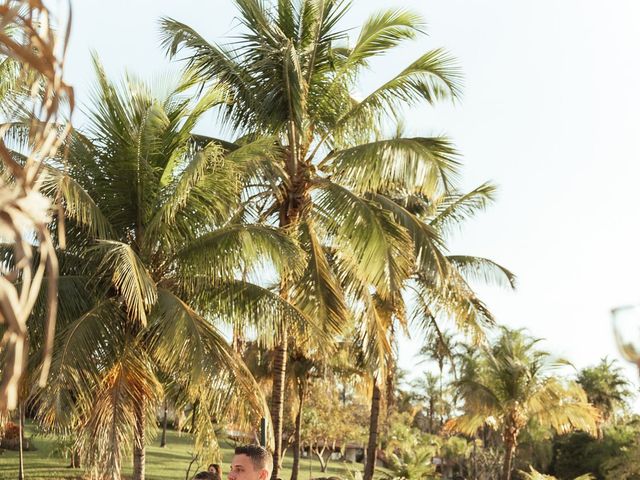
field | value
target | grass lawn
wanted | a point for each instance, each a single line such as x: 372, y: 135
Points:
x: 167, y: 463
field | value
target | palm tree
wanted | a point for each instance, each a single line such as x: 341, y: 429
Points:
x: 511, y: 385
x: 440, y: 349
x: 289, y: 74
x: 153, y: 267
x: 429, y: 390
x: 606, y: 387
x: 433, y: 294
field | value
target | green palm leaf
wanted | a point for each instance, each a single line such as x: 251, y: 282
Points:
x: 453, y: 208
x: 227, y: 250
x: 129, y: 276
x: 483, y: 269
x: 247, y: 306
x: 379, y: 249
x: 211, y: 371
x: 210, y: 61
x: 318, y: 291
x: 414, y: 165
x: 75, y: 370
x: 180, y: 336
x: 78, y: 204
x: 200, y: 194
x: 432, y: 77
x: 382, y: 32
x: 428, y: 246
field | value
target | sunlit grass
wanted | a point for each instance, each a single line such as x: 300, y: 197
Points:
x: 167, y: 463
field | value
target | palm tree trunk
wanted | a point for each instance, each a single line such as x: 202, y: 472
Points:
x: 441, y: 365
x: 20, y: 440
x: 475, y: 458
x: 391, y: 397
x: 139, y: 441
x: 373, y: 433
x: 163, y: 439
x: 509, y: 450
x: 277, y: 401
x: 431, y: 414
x: 298, y: 434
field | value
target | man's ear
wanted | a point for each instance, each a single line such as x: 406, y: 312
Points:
x: 264, y: 474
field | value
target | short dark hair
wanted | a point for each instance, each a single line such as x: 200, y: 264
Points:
x: 206, y: 476
x: 260, y: 456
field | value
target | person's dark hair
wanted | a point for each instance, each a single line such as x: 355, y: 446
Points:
x: 206, y: 476
x: 260, y: 456
x: 216, y: 469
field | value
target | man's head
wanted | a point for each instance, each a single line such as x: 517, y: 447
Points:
x: 206, y: 476
x: 251, y: 462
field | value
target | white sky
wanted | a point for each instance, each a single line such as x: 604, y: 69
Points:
x: 551, y: 113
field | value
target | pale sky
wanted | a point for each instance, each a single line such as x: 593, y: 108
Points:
x: 550, y: 112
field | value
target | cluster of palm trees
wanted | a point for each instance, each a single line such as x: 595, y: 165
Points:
x: 315, y: 224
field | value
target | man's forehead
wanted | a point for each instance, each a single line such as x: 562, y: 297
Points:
x: 242, y: 459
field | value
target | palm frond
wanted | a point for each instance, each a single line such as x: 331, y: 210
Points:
x: 483, y: 269
x: 256, y: 310
x: 318, y: 292
x: 129, y: 276
x: 210, y: 62
x: 382, y: 32
x: 200, y: 192
x: 211, y: 370
x: 563, y: 407
x: 127, y: 386
x: 77, y: 203
x: 75, y: 369
x: 450, y: 298
x: 429, y: 248
x: 454, y: 208
x: 465, y: 424
x: 379, y: 249
x: 415, y: 165
x: 373, y: 331
x: 432, y: 77
x: 233, y: 248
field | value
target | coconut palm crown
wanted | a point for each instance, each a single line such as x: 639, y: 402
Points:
x: 154, y: 257
x: 289, y: 72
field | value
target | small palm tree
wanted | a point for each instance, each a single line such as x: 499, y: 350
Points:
x: 512, y: 384
x: 154, y: 265
x: 606, y: 387
x: 439, y: 348
x: 429, y: 391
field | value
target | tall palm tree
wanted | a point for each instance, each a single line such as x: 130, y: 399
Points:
x: 512, y: 384
x: 289, y: 73
x: 155, y: 260
x: 431, y: 294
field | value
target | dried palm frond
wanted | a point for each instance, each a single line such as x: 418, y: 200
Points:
x: 24, y: 212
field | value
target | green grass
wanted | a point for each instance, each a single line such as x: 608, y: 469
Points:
x: 167, y: 463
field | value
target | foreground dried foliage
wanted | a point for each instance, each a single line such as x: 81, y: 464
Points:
x: 26, y: 36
